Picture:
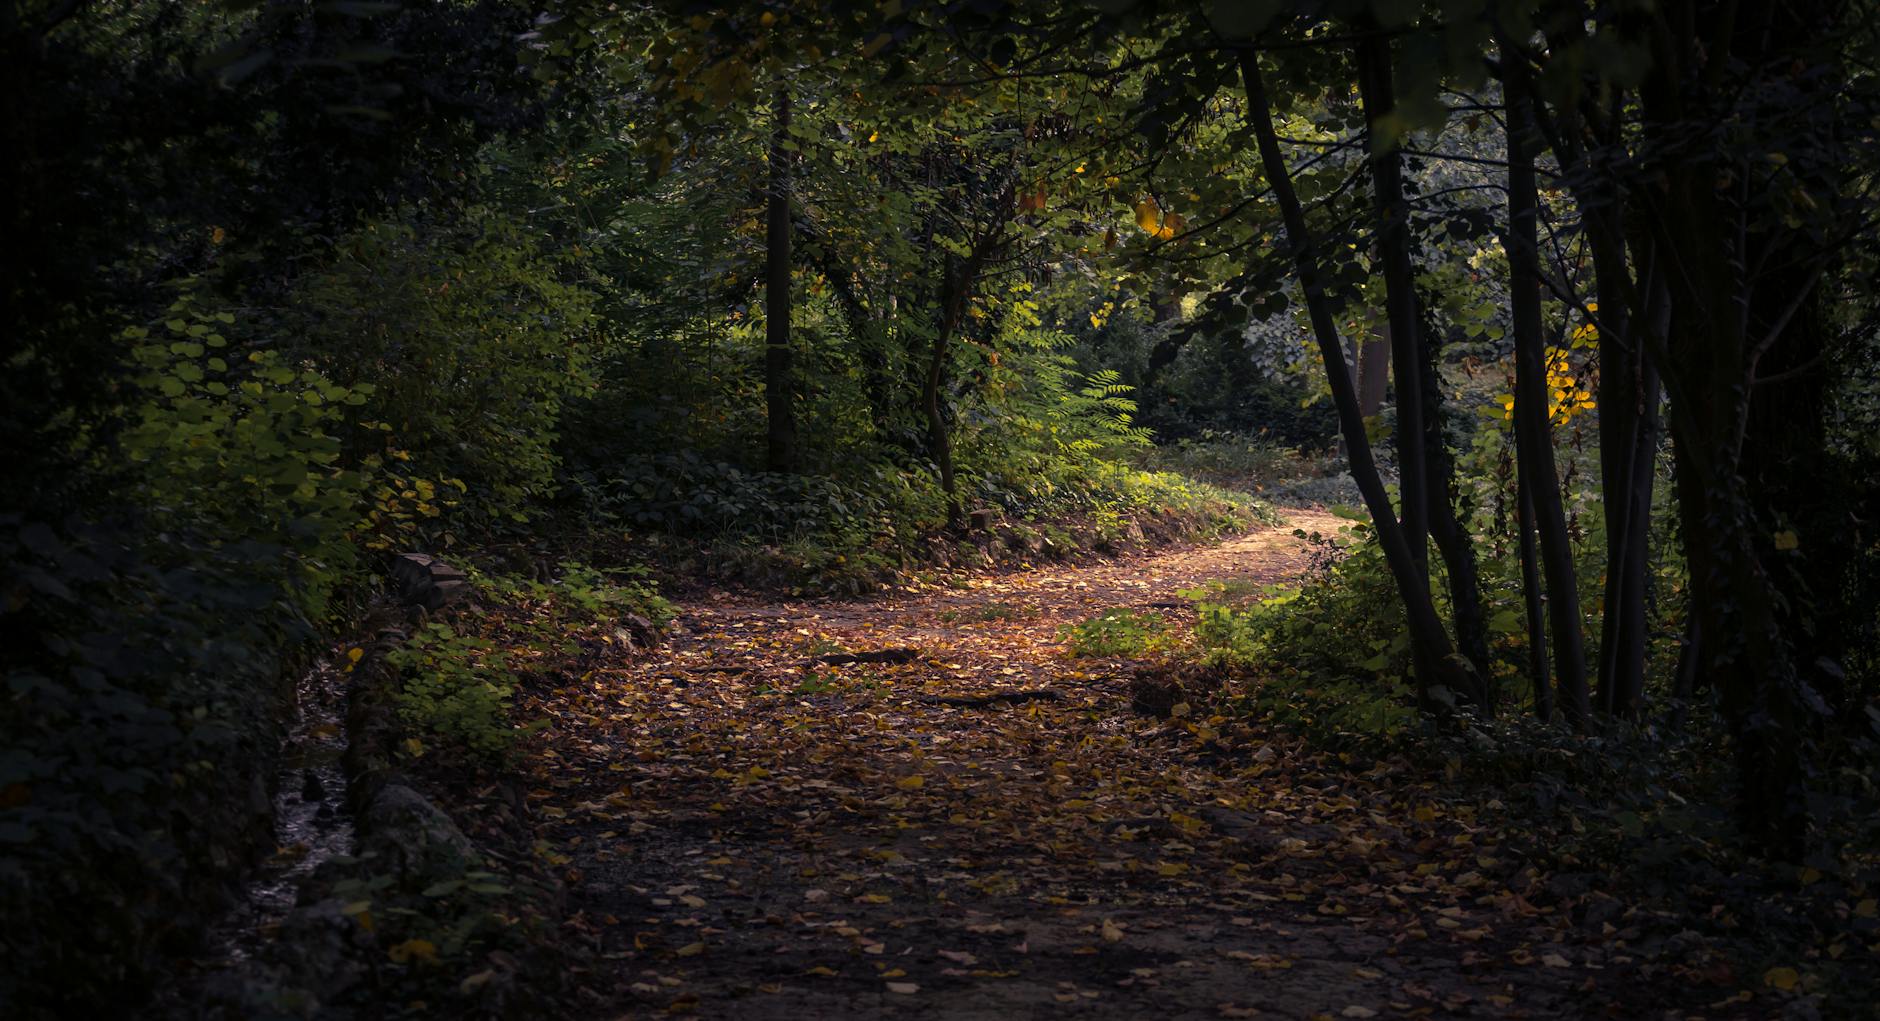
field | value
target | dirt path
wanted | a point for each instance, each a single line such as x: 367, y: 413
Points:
x: 752, y: 838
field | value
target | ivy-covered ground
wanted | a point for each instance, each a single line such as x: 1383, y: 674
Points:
x: 925, y: 804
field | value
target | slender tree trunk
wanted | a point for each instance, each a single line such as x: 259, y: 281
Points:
x: 779, y: 374
x: 1373, y: 371
x: 939, y: 443
x: 1436, y: 662
x: 1534, y: 602
x: 1533, y: 434
x: 1393, y: 245
x: 1447, y: 524
x: 1425, y: 470
x: 1628, y: 450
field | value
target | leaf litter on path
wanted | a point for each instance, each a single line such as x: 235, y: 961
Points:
x: 824, y: 833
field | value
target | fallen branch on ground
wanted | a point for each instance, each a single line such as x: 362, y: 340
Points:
x: 874, y: 656
x: 983, y: 701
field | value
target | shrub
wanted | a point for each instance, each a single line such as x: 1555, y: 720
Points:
x: 1118, y: 632
x: 148, y: 650
x: 456, y: 688
x: 472, y: 342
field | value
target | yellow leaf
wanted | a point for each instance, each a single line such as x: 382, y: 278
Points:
x: 1112, y: 933
x: 361, y: 912
x: 1787, y: 540
x: 1784, y: 979
x: 691, y: 950
x: 1148, y: 215
x: 420, y: 950
x: 354, y: 654
x: 820, y: 970
x: 911, y: 783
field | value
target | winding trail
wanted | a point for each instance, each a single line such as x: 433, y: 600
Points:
x: 749, y: 836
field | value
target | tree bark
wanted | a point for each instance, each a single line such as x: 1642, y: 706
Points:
x: 1373, y: 371
x: 1437, y: 665
x: 779, y: 373
x: 1448, y: 524
x: 1628, y: 451
x: 1534, y: 602
x: 1532, y: 426
x: 1393, y: 249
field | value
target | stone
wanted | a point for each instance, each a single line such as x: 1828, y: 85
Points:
x: 406, y: 829
x: 983, y: 518
x: 645, y: 635
x: 423, y: 580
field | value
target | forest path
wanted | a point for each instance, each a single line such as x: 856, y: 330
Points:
x: 751, y: 837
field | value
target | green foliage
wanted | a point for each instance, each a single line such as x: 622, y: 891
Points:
x: 1118, y: 632
x: 1250, y: 464
x: 471, y: 339
x: 582, y: 595
x: 150, y: 646
x: 247, y: 452
x: 456, y: 688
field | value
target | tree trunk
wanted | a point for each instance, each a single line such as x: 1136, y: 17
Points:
x: 939, y: 443
x: 779, y: 374
x: 1393, y: 248
x: 1741, y: 287
x: 1435, y: 659
x: 1533, y: 602
x: 1373, y: 371
x: 1425, y: 470
x: 1628, y: 451
x: 1532, y: 426
x: 1448, y: 523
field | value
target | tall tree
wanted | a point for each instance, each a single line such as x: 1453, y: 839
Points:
x: 1425, y: 467
x: 779, y: 374
x: 1437, y: 665
x: 1532, y: 405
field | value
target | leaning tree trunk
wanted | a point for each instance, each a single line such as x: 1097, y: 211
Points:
x: 1435, y: 659
x: 1425, y: 469
x: 1532, y: 425
x: 1448, y: 525
x: 779, y: 374
x: 1393, y: 246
